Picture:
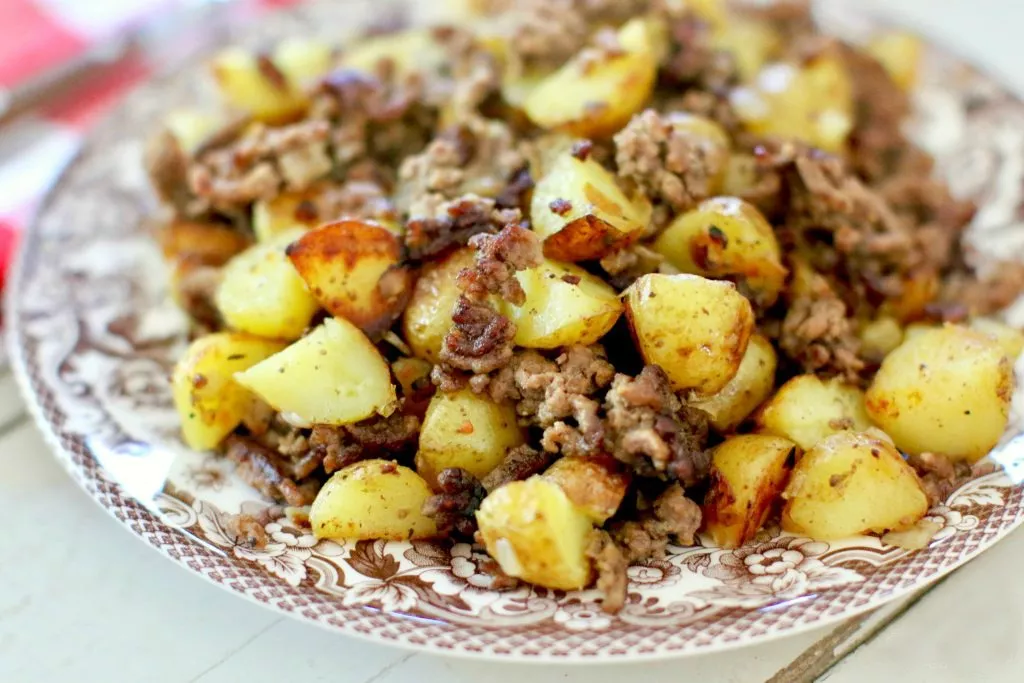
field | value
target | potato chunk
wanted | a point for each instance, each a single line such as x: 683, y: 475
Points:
x: 270, y: 87
x: 352, y: 268
x: 535, y: 533
x: 464, y: 430
x: 696, y: 329
x: 581, y: 212
x: 595, y: 94
x: 727, y: 238
x: 565, y: 305
x: 333, y: 375
x: 372, y: 499
x: 752, y: 384
x: 811, y: 101
x: 945, y: 390
x: 280, y: 215
x: 192, y: 127
x: 596, y: 485
x: 209, y: 402
x: 262, y: 294
x: 428, y: 317
x: 807, y: 409
x: 900, y: 53
x: 748, y: 474
x: 850, y: 484
x: 413, y: 50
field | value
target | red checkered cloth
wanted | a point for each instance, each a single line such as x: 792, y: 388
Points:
x: 37, y: 36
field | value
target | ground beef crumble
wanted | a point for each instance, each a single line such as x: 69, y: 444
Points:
x: 669, y: 164
x: 454, y: 506
x: 940, y: 476
x: 673, y: 515
x: 610, y: 565
x: 520, y: 463
x: 652, y: 431
x: 818, y: 333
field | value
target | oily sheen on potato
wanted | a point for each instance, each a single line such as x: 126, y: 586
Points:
x: 852, y: 483
x: 945, y: 390
x: 333, y: 376
x: 372, y: 499
x: 428, y: 316
x: 696, y: 329
x: 726, y: 237
x: 564, y: 305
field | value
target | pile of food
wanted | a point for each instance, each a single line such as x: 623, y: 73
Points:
x: 576, y: 280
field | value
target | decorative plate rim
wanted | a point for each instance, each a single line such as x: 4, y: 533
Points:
x: 145, y: 523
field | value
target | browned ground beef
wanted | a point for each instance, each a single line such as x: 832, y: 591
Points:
x: 672, y: 517
x: 610, y: 564
x: 819, y: 334
x: 454, y: 506
x: 520, y: 463
x: 675, y: 167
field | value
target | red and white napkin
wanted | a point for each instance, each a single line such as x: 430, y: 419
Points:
x: 37, y: 36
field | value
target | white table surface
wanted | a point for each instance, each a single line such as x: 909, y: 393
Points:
x: 68, y: 613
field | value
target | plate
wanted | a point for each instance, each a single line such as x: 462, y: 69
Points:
x: 93, y: 337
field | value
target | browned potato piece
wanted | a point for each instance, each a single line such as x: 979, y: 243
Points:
x: 272, y: 217
x: 748, y: 474
x: 428, y: 317
x: 807, y: 409
x: 696, y: 329
x: 919, y: 290
x: 596, y: 97
x: 851, y: 484
x: 581, y: 212
x: 352, y: 268
x: 727, y: 238
x: 205, y: 244
x: 752, y: 384
x: 596, y: 485
x: 945, y: 390
x: 810, y: 101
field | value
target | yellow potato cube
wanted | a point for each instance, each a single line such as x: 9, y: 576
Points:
x: 851, y: 484
x: 900, y: 53
x: 945, y: 390
x: 748, y: 474
x: 807, y: 409
x: 372, y: 499
x: 261, y: 293
x: 727, y: 238
x: 464, y: 430
x: 209, y: 402
x: 596, y: 485
x: 597, y: 99
x: 696, y: 329
x: 537, y: 534
x: 582, y: 213
x: 334, y: 375
x: 752, y: 384
x: 565, y: 305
